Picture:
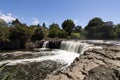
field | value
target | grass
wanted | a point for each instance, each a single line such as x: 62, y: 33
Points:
x: 6, y: 76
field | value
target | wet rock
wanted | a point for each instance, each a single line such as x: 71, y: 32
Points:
x: 38, y: 44
x: 54, y: 44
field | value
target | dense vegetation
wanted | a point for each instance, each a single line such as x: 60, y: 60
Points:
x: 16, y: 34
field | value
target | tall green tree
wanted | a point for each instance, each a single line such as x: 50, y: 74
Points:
x: 45, y: 30
x: 94, y: 28
x: 68, y: 26
x: 117, y: 30
x: 19, y: 34
x: 108, y: 31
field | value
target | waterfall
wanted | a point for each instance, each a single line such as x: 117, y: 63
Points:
x: 45, y: 44
x: 77, y: 46
x: 71, y: 46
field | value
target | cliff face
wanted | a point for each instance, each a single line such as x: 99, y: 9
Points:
x: 92, y: 65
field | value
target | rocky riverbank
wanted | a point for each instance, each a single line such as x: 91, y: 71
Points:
x: 93, y: 65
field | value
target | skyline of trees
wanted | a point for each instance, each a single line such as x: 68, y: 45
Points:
x: 18, y: 34
x: 95, y: 29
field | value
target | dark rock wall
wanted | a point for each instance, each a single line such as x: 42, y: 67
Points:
x: 51, y: 44
x: 39, y: 44
x: 54, y: 44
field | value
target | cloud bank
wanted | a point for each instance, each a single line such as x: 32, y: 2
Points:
x: 7, y: 17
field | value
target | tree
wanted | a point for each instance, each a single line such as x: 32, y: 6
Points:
x: 38, y: 33
x: 16, y: 22
x: 62, y: 34
x: 75, y: 35
x: 68, y: 26
x: 54, y: 30
x: 4, y: 31
x: 80, y: 30
x: 108, y: 31
x: 45, y: 30
x: 94, y: 28
x: 117, y: 30
x: 77, y: 29
x: 44, y: 25
x: 19, y: 34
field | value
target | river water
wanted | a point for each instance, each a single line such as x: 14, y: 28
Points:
x: 33, y: 65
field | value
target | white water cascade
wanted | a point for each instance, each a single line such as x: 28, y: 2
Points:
x: 77, y: 46
x: 68, y: 51
x: 45, y: 44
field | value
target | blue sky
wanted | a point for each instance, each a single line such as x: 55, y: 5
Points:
x: 49, y: 11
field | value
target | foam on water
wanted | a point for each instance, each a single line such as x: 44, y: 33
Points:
x: 60, y: 56
x: 70, y: 50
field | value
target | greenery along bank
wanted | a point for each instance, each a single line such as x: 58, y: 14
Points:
x: 15, y: 35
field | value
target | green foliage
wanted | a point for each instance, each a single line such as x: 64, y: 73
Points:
x: 117, y: 30
x: 68, y: 26
x: 16, y: 23
x: 6, y: 76
x: 2, y: 67
x: 107, y: 32
x: 75, y: 35
x: 80, y: 30
x: 62, y: 34
x: 94, y: 28
x: 77, y: 29
x: 19, y: 33
x: 97, y: 29
x: 96, y: 22
x: 4, y: 31
x: 114, y: 35
x: 38, y: 34
x: 45, y: 30
x: 54, y: 30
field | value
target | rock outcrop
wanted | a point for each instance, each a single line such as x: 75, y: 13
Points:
x: 92, y: 65
x: 103, y: 73
x: 52, y: 44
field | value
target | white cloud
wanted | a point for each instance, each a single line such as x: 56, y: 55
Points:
x: 7, y: 17
x: 35, y: 21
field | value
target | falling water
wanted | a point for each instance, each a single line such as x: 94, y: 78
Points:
x: 76, y: 46
x: 45, y: 44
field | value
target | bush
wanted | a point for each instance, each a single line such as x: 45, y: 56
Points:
x: 62, y: 34
x: 75, y: 35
